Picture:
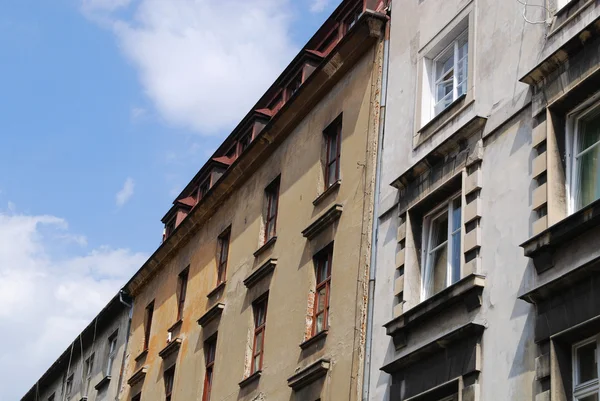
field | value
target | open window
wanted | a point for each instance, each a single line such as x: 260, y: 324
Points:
x: 322, y: 262
x: 182, y: 283
x: 260, y: 321
x: 450, y: 72
x: 442, y: 230
x: 333, y: 144
x: 272, y: 204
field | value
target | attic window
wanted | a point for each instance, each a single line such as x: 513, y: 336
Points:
x: 329, y: 42
x: 203, y: 189
x: 352, y: 19
x: 231, y: 154
x: 294, y: 85
x: 244, y: 142
x: 276, y: 103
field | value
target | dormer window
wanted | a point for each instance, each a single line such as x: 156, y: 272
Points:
x: 169, y: 228
x: 232, y: 153
x: 352, y: 19
x: 294, y: 85
x: 244, y: 142
x: 276, y: 103
x: 203, y: 189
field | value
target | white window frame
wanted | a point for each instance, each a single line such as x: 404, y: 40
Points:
x: 454, y: 47
x: 446, y: 207
x: 89, y: 367
x: 572, y: 133
x: 591, y: 387
x: 112, y: 352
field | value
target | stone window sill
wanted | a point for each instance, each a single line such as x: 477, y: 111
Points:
x: 266, y: 246
x: 263, y: 271
x: 142, y: 355
x: 542, y: 246
x: 105, y: 380
x: 213, y: 313
x: 309, y: 374
x: 216, y: 290
x: 172, y: 347
x: 175, y: 326
x: 332, y: 188
x: 314, y: 339
x: 467, y: 290
x: 250, y: 379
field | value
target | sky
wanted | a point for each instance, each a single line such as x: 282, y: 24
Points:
x: 107, y: 109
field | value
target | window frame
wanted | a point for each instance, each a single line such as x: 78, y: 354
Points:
x: 148, y: 316
x: 272, y: 194
x: 259, y: 328
x: 203, y: 189
x: 112, y: 352
x: 137, y: 397
x: 331, y: 133
x: 591, y: 387
x: 182, y: 284
x: 224, y: 242
x: 573, y: 119
x: 169, y: 381
x: 210, y: 354
x: 325, y: 255
x: 89, y: 368
x: 69, y: 385
x: 434, y: 81
x: 445, y: 208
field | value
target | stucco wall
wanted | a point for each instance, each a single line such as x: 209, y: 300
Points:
x: 298, y: 160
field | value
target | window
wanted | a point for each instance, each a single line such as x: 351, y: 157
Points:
x: 352, y: 19
x: 294, y: 85
x: 112, y: 352
x: 169, y: 379
x: 210, y: 352
x: 450, y: 70
x: 323, y: 274
x: 244, y: 143
x: 585, y: 157
x: 585, y: 370
x: 69, y: 386
x: 272, y: 193
x: 148, y: 324
x: 169, y: 228
x: 51, y: 398
x: 442, y: 248
x: 223, y: 255
x: 203, y: 189
x: 137, y: 397
x: 276, y: 103
x: 182, y: 284
x: 89, y: 368
x: 260, y: 319
x: 333, y: 144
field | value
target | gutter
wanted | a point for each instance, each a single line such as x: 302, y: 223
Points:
x: 375, y: 228
x: 126, y: 345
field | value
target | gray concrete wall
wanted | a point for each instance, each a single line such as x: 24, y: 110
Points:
x: 505, y: 49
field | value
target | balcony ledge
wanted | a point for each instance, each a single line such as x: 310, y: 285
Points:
x: 541, y: 247
x: 309, y: 374
x: 212, y: 314
x: 263, y: 271
x: 467, y: 290
x: 468, y: 330
x: 322, y: 222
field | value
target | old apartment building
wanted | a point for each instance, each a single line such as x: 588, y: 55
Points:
x: 487, y: 265
x: 91, y: 368
x: 259, y: 288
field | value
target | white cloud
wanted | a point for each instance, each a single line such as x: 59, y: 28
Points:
x: 318, y: 6
x: 204, y: 63
x: 47, y: 299
x: 104, y: 5
x: 125, y: 193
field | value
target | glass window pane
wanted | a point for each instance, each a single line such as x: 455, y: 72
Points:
x: 321, y: 299
x: 455, y: 260
x: 256, y: 366
x: 456, y: 208
x: 587, y: 363
x: 440, y: 268
x: 332, y: 173
x: 589, y: 132
x: 445, y: 64
x: 319, y: 325
x: 588, y: 185
x: 593, y: 397
x: 439, y: 231
x: 332, y: 147
x: 322, y: 271
x: 258, y: 347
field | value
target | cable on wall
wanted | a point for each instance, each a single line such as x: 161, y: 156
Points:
x: 526, y: 7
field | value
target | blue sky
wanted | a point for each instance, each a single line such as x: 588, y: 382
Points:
x: 107, y: 109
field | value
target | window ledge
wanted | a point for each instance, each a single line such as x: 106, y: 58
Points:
x: 467, y: 290
x: 332, y: 188
x: 309, y: 374
x: 250, y: 379
x: 138, y: 376
x: 445, y: 115
x: 210, y: 315
x: 542, y: 246
x: 216, y: 290
x: 322, y: 222
x: 172, y: 347
x: 314, y: 339
x: 175, y: 326
x: 260, y: 273
x: 467, y: 330
x: 105, y: 380
x: 142, y: 355
x: 266, y: 246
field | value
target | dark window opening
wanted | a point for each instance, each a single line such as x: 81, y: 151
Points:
x: 210, y: 352
x: 148, y: 324
x: 272, y: 193
x: 260, y: 321
x: 322, y: 262
x: 169, y: 379
x: 182, y: 292
x: 223, y: 256
x: 333, y: 144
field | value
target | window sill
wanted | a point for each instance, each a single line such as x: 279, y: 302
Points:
x: 314, y: 339
x: 175, y: 326
x: 309, y: 374
x: 439, y: 122
x: 138, y: 376
x: 212, y: 314
x: 250, y: 379
x: 266, y: 246
x: 216, y: 290
x: 263, y: 271
x: 467, y: 290
x: 172, y: 347
x: 142, y: 355
x: 105, y: 380
x: 542, y: 246
x: 332, y: 215
x: 332, y: 188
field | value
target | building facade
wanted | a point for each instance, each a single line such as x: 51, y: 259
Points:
x: 91, y: 368
x: 487, y: 258
x: 259, y: 289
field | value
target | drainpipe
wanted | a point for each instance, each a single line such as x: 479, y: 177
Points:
x: 375, y: 228
x: 129, y: 313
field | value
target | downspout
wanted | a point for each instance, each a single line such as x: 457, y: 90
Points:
x: 122, y: 371
x: 375, y: 228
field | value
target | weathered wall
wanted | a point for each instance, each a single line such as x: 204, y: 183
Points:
x: 298, y: 160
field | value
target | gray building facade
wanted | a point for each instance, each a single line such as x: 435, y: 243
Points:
x: 486, y: 277
x: 91, y: 368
